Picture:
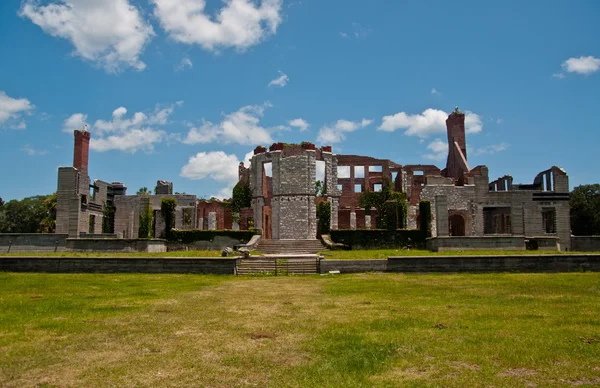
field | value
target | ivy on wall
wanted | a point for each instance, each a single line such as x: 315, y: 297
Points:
x: 391, y: 216
x: 324, y: 217
x: 167, y: 210
x: 425, y: 217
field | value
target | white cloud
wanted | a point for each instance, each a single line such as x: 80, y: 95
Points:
x: 434, y: 91
x: 335, y: 133
x: 185, y: 64
x: 558, y: 75
x: 125, y: 134
x: 438, y: 150
x: 490, y: 149
x: 218, y: 166
x: 280, y: 81
x: 75, y: 122
x: 299, y: 123
x: 110, y: 33
x: 239, y: 23
x: 343, y: 35
x: 29, y: 150
x: 11, y: 109
x: 582, y: 65
x: 242, y: 127
x: 430, y: 122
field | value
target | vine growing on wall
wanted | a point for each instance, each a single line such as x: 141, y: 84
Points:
x: 145, y: 229
x: 108, y: 219
x: 378, y: 199
x: 167, y: 210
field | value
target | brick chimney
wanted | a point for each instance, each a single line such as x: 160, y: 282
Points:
x: 81, y: 151
x: 455, y: 125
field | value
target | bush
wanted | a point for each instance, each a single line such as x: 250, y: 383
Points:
x: 425, y: 217
x: 324, y: 216
x: 380, y: 238
x: 191, y: 235
x: 167, y: 209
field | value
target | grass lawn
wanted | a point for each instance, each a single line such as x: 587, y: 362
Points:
x: 352, y: 330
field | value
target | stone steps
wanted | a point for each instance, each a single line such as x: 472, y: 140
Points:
x: 290, y: 246
x: 278, y: 266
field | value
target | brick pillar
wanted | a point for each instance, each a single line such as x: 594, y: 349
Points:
x: 81, y: 151
x: 455, y: 126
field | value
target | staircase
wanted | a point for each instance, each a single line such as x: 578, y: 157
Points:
x: 290, y: 246
x: 279, y: 265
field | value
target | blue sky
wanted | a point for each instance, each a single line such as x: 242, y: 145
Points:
x: 183, y: 91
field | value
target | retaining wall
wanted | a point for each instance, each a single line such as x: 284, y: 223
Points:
x: 33, y: 242
x: 585, y: 243
x: 436, y: 244
x: 224, y: 266
x: 513, y: 263
x: 353, y: 266
x: 115, y: 245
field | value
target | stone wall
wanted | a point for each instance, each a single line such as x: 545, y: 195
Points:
x: 115, y: 245
x: 216, y: 244
x: 223, y: 266
x: 585, y: 243
x: 353, y: 266
x: 520, y: 263
x: 437, y: 244
x: 33, y: 242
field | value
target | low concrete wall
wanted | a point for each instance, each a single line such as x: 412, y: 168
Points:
x: 224, y: 266
x: 354, y: 266
x: 218, y: 243
x: 437, y: 244
x: 115, y: 245
x: 32, y: 242
x: 513, y: 263
x: 585, y: 243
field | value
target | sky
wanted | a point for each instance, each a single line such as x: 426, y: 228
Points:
x: 183, y: 91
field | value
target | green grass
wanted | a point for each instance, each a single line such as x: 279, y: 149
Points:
x: 500, y: 330
x: 361, y: 254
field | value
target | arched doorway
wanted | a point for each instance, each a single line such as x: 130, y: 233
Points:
x: 456, y: 225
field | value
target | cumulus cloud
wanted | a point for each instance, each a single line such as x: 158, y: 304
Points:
x: 139, y: 132
x: 582, y: 65
x: 336, y: 132
x: 435, y: 91
x: 280, y: 81
x: 239, y: 23
x: 217, y: 166
x: 242, y: 127
x: 428, y: 123
x: 185, y: 64
x: 12, y: 109
x: 299, y: 123
x: 437, y: 150
x: 75, y: 121
x: 109, y: 33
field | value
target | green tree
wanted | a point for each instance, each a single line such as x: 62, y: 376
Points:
x: 143, y: 191
x: 585, y: 210
x: 378, y: 199
x: 30, y: 215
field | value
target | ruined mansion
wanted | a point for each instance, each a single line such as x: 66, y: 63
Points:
x: 282, y: 180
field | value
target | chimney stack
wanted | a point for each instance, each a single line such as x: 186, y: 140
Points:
x: 81, y: 151
x: 455, y: 125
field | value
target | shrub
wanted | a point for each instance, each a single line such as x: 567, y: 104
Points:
x: 167, y: 209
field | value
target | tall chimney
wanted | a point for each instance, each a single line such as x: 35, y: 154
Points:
x: 455, y: 125
x: 81, y: 151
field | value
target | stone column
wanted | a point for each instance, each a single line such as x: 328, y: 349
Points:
x: 441, y: 215
x: 352, y: 220
x: 235, y: 225
x: 212, y: 221
x: 367, y: 222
